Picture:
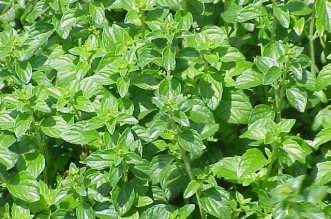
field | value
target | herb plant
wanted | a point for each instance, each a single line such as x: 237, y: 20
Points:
x: 165, y: 109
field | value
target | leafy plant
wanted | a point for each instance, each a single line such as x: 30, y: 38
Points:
x: 165, y: 109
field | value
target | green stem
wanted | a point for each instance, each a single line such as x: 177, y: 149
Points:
x: 277, y: 101
x: 143, y: 25
x: 190, y: 174
x: 42, y: 147
x: 45, y: 152
x: 282, y: 92
x: 2, y: 177
x: 311, y: 41
x: 273, y: 158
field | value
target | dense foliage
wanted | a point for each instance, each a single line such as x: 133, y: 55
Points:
x: 165, y: 109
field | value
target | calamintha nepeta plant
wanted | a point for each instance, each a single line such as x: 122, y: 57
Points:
x: 165, y: 109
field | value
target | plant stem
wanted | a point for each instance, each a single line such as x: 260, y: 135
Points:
x: 282, y: 92
x: 190, y: 174
x: 45, y: 152
x: 277, y: 101
x: 42, y: 147
x: 2, y: 178
x: 273, y: 158
x: 143, y: 25
x: 311, y: 41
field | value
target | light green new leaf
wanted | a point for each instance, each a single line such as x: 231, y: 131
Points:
x: 297, y: 97
x: 24, y: 186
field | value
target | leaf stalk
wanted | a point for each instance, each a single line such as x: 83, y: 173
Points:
x: 190, y: 174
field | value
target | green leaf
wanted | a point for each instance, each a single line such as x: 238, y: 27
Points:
x: 252, y: 161
x: 323, y: 78
x: 123, y: 86
x: 22, y: 124
x: 97, y: 11
x: 168, y: 57
x: 24, y: 186
x: 185, y: 211
x: 236, y: 168
x: 297, y: 7
x: 100, y: 160
x: 282, y: 16
x: 294, y: 150
x: 235, y: 107
x: 75, y: 134
x: 123, y: 196
x: 323, y: 175
x: 250, y: 12
x: 70, y: 18
x: 34, y: 163
x: 265, y: 63
x: 211, y: 91
x: 7, y: 122
x: 159, y: 166
x: 191, y: 142
x: 323, y: 12
x: 248, y: 79
x: 84, y: 211
x: 297, y: 97
x: 191, y: 189
x: 7, y: 158
x: 24, y: 71
x: 299, y: 26
x: 18, y: 211
x: 144, y: 201
x: 54, y: 126
x: 215, y: 202
x: 158, y: 211
x: 322, y: 137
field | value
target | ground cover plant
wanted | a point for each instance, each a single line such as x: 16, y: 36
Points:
x: 165, y: 109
